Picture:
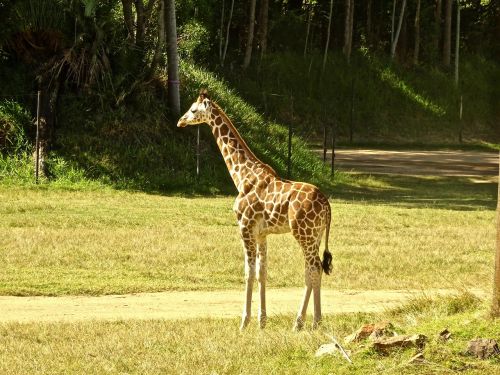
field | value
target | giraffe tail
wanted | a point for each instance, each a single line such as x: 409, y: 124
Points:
x: 327, y: 256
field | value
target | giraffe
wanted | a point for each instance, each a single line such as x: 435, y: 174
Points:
x: 267, y: 204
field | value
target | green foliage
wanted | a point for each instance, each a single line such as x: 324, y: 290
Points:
x: 267, y: 139
x: 391, y: 102
x: 193, y: 44
x: 14, y: 123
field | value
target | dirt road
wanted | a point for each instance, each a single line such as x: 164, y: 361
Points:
x: 192, y: 304
x: 433, y: 163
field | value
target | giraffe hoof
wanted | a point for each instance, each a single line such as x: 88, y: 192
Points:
x: 244, y: 323
x: 316, y: 324
x: 299, y: 325
x: 262, y: 322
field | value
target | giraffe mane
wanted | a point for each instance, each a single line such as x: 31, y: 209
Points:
x: 241, y: 140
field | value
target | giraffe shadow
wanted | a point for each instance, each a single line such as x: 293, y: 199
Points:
x: 451, y: 193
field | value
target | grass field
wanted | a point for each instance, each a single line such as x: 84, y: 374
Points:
x: 214, y: 346
x: 387, y: 233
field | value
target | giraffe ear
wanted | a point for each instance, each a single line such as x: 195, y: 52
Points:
x: 204, y: 94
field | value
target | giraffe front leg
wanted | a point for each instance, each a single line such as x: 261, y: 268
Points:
x: 250, y: 255
x: 261, y: 277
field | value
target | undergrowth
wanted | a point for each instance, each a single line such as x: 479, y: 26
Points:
x: 138, y: 146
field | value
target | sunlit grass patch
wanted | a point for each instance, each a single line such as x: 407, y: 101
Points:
x: 56, y: 241
x: 209, y: 346
x: 387, y: 75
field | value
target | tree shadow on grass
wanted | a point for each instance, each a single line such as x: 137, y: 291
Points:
x: 451, y: 193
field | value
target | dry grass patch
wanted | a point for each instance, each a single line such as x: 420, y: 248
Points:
x: 215, y: 346
x: 55, y: 242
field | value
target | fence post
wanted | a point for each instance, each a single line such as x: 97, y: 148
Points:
x: 324, y: 142
x: 37, y: 139
x: 460, y: 129
x: 289, y: 163
x: 333, y: 149
x: 198, y: 152
x: 351, y: 125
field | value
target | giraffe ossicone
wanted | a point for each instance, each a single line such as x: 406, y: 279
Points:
x: 268, y: 204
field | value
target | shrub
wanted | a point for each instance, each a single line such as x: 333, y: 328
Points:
x: 14, y: 121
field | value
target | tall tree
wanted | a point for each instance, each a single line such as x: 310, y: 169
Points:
x: 393, y: 17
x: 416, y: 49
x: 330, y: 15
x: 398, y: 30
x: 447, y: 33
x: 226, y: 41
x: 437, y: 25
x: 309, y: 21
x: 137, y: 28
x: 160, y: 44
x: 369, y: 21
x: 348, y: 26
x: 263, y: 26
x: 457, y: 43
x: 173, y: 59
x: 250, y: 34
x: 221, y: 29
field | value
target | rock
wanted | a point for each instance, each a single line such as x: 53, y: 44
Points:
x: 370, y: 330
x: 326, y: 349
x: 332, y: 348
x: 483, y: 348
x: 402, y: 341
x: 417, y: 358
x: 444, y: 335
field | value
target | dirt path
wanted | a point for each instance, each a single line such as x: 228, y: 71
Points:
x: 192, y: 304
x: 434, y: 163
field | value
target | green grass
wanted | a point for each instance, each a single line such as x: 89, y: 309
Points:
x: 214, y: 346
x: 387, y: 233
x: 138, y: 146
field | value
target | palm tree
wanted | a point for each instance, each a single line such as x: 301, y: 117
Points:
x: 70, y: 48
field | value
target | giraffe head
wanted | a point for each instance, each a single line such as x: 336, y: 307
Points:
x: 199, y: 111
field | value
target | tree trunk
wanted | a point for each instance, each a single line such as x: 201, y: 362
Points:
x: 327, y: 37
x: 351, y: 28
x: 457, y: 43
x: 263, y: 26
x: 396, y: 36
x: 308, y: 30
x: 161, y: 36
x: 128, y: 18
x: 48, y: 104
x: 251, y: 28
x: 416, y: 50
x: 140, y: 23
x: 393, y: 17
x: 369, y: 22
x: 348, y: 26
x: 495, y: 310
x: 437, y: 26
x: 221, y: 30
x: 173, y: 59
x: 447, y: 34
x: 226, y: 42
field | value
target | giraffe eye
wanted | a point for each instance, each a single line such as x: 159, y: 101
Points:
x: 194, y: 110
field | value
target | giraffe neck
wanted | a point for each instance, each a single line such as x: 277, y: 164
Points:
x: 241, y: 162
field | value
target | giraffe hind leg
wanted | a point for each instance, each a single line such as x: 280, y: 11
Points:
x: 261, y: 277
x: 308, y: 240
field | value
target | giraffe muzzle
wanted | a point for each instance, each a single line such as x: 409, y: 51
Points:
x: 181, y: 123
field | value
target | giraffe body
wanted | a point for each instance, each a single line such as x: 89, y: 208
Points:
x: 267, y: 204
